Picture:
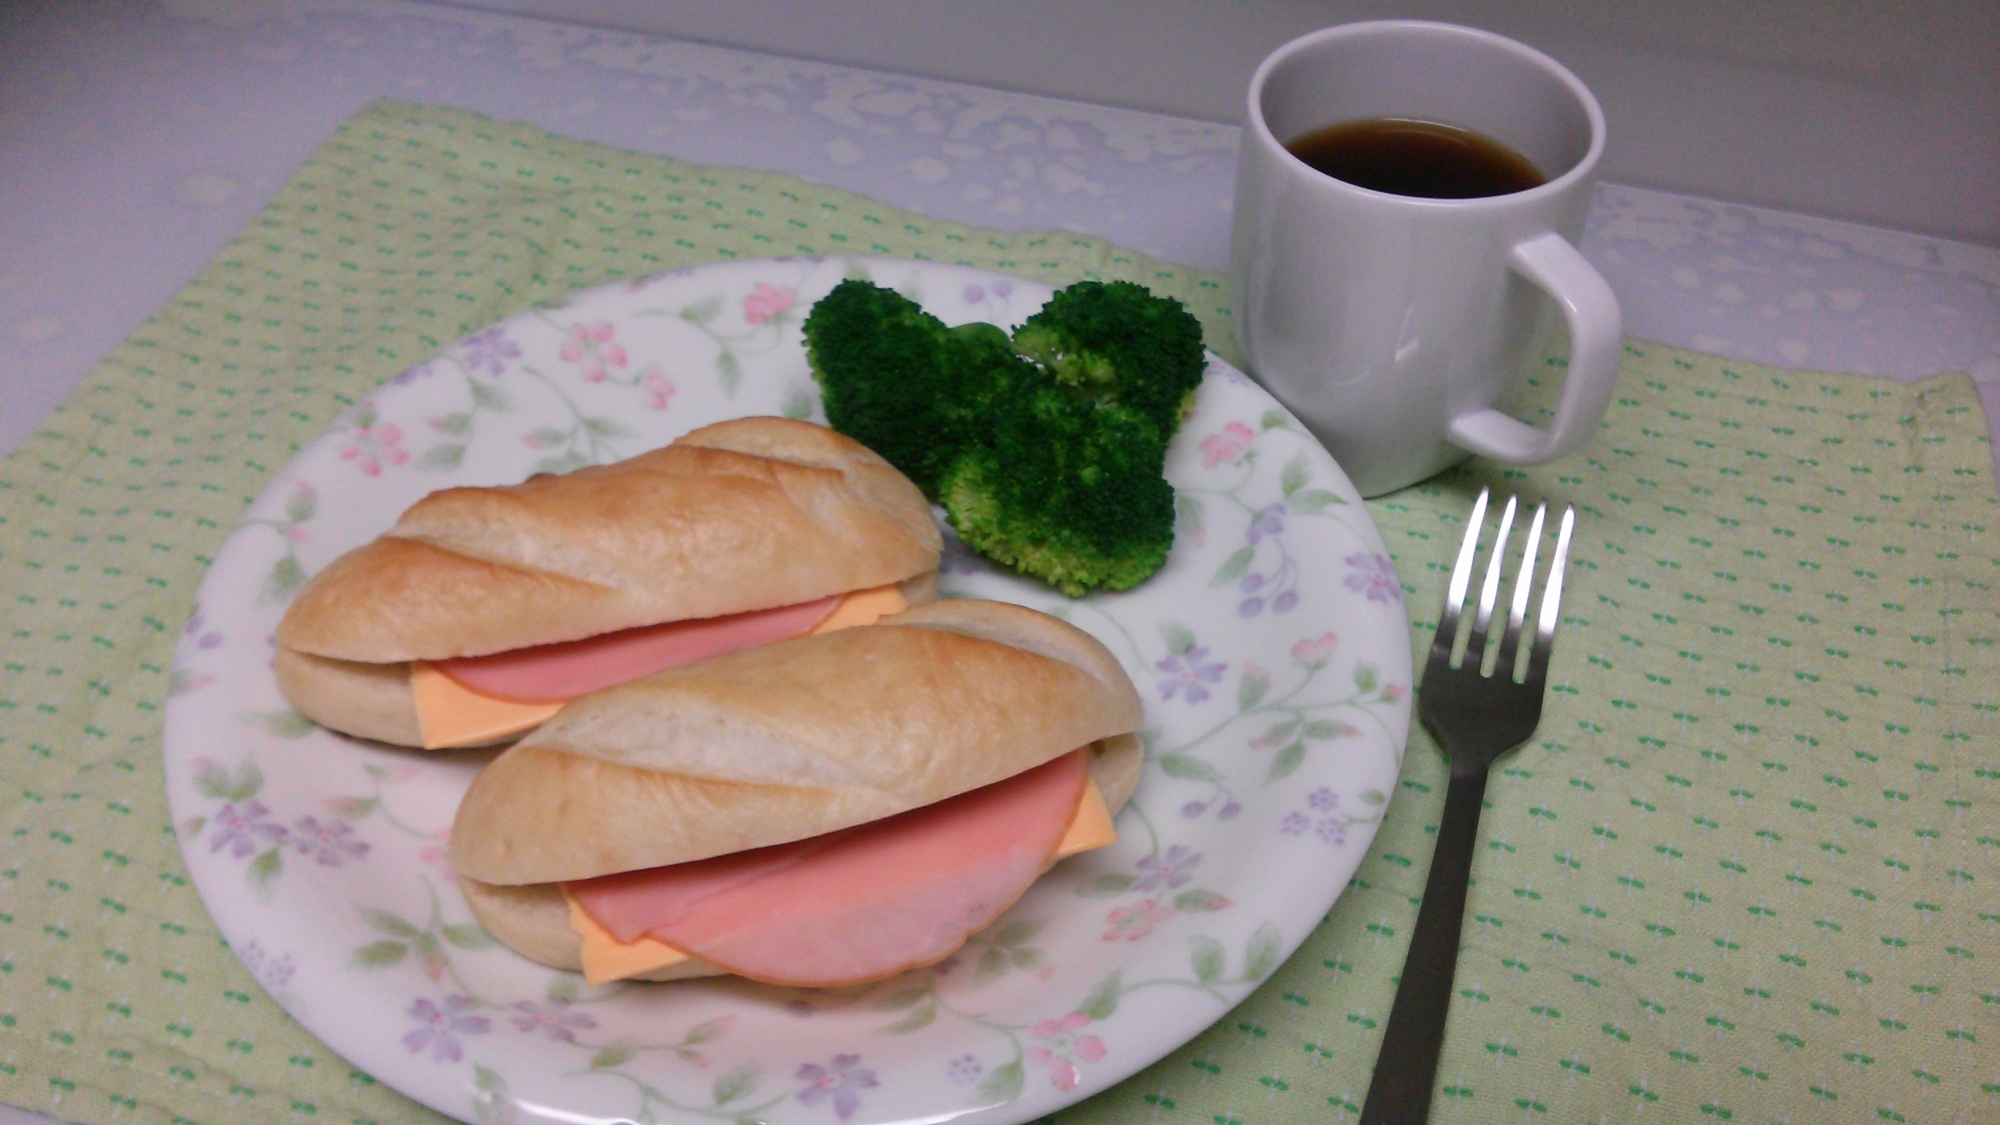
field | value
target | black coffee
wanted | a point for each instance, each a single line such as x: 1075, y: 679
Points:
x: 1420, y: 158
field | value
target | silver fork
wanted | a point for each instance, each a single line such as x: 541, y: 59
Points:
x: 1477, y: 716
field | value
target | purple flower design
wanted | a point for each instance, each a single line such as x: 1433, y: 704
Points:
x: 552, y: 1018
x: 243, y: 829
x: 1171, y: 869
x: 964, y: 1068
x: 1374, y: 576
x: 438, y: 1028
x: 1276, y: 589
x: 1322, y: 819
x: 957, y: 557
x: 974, y: 294
x: 1186, y: 674
x: 490, y: 349
x: 202, y: 639
x: 331, y: 842
x: 837, y: 1082
x: 275, y: 972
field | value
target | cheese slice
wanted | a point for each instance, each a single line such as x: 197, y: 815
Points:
x: 449, y: 714
x: 606, y: 959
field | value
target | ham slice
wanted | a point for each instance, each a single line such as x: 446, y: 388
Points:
x: 559, y: 672
x: 857, y: 905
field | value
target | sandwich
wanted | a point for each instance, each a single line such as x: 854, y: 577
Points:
x: 823, y: 811
x: 484, y: 610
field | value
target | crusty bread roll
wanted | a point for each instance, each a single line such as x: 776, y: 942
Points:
x: 742, y: 515
x: 782, y: 743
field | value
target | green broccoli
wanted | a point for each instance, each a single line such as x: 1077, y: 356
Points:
x: 1067, y: 490
x: 898, y: 381
x: 1116, y: 342
x: 1047, y: 450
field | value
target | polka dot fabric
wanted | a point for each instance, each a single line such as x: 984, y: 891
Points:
x: 1745, y: 872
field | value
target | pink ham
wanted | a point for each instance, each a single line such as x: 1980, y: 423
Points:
x: 856, y: 905
x: 553, y: 673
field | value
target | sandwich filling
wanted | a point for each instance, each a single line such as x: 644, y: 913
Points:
x: 478, y: 699
x: 850, y: 906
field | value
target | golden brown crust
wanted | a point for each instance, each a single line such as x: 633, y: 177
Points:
x: 533, y: 920
x: 788, y: 741
x: 746, y: 514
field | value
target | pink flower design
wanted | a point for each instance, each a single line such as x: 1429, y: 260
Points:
x: 1063, y: 1047
x: 374, y: 446
x: 1393, y: 692
x: 767, y: 301
x: 1133, y: 922
x: 1315, y: 650
x: 591, y: 346
x: 1227, y: 446
x: 660, y: 390
x: 438, y: 855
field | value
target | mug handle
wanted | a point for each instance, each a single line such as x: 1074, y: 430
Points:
x: 1596, y: 343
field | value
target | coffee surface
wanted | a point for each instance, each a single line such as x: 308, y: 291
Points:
x: 1426, y: 159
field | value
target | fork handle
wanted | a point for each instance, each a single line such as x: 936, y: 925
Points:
x: 1406, y: 1069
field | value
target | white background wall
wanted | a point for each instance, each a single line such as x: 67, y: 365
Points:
x: 1879, y: 111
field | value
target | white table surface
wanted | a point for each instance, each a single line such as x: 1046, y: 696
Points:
x: 135, y: 139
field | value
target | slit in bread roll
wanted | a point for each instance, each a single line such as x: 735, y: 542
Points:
x: 749, y: 514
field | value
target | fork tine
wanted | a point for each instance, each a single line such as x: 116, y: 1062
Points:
x: 1461, y: 579
x: 1545, y: 629
x: 1489, y: 591
x: 1524, y: 581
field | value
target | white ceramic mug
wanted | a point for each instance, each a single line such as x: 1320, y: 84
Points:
x: 1392, y: 325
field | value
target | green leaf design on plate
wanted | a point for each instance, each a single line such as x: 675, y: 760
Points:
x: 1366, y: 676
x: 736, y: 1083
x: 284, y: 580
x: 266, y: 868
x: 919, y: 1018
x: 303, y: 504
x: 1187, y: 768
x: 1190, y: 516
x: 1313, y: 499
x: 992, y: 966
x: 1107, y: 886
x: 388, y: 923
x: 1274, y: 419
x: 455, y: 424
x: 1233, y: 567
x: 487, y: 397
x: 1262, y: 954
x: 1252, y: 687
x: 729, y: 372
x: 1295, y: 475
x: 1195, y: 900
x: 1002, y: 1084
x: 1329, y: 728
x: 442, y: 457
x: 562, y: 987
x: 284, y: 724
x: 1287, y: 762
x: 703, y: 311
x: 465, y: 935
x: 607, y: 428
x: 611, y: 1055
x: 1206, y: 958
x: 1179, y: 637
x: 1018, y: 933
x: 1103, y: 1000
x: 799, y: 404
x: 217, y: 782
x: 708, y: 1031
x: 1373, y: 796
x: 380, y: 954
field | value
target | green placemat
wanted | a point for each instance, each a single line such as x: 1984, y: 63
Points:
x: 1747, y: 872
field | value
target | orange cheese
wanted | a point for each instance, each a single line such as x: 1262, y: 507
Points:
x: 606, y: 959
x: 450, y: 714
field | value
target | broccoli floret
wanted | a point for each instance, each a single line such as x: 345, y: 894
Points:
x: 1068, y: 490
x: 898, y: 381
x: 1116, y: 342
x: 1048, y: 448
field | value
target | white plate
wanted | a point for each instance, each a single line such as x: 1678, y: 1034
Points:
x: 1272, y: 652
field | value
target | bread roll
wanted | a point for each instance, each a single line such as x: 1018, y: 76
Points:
x: 781, y: 743
x: 742, y: 515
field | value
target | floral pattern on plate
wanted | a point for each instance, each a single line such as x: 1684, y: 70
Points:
x: 1272, y: 652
